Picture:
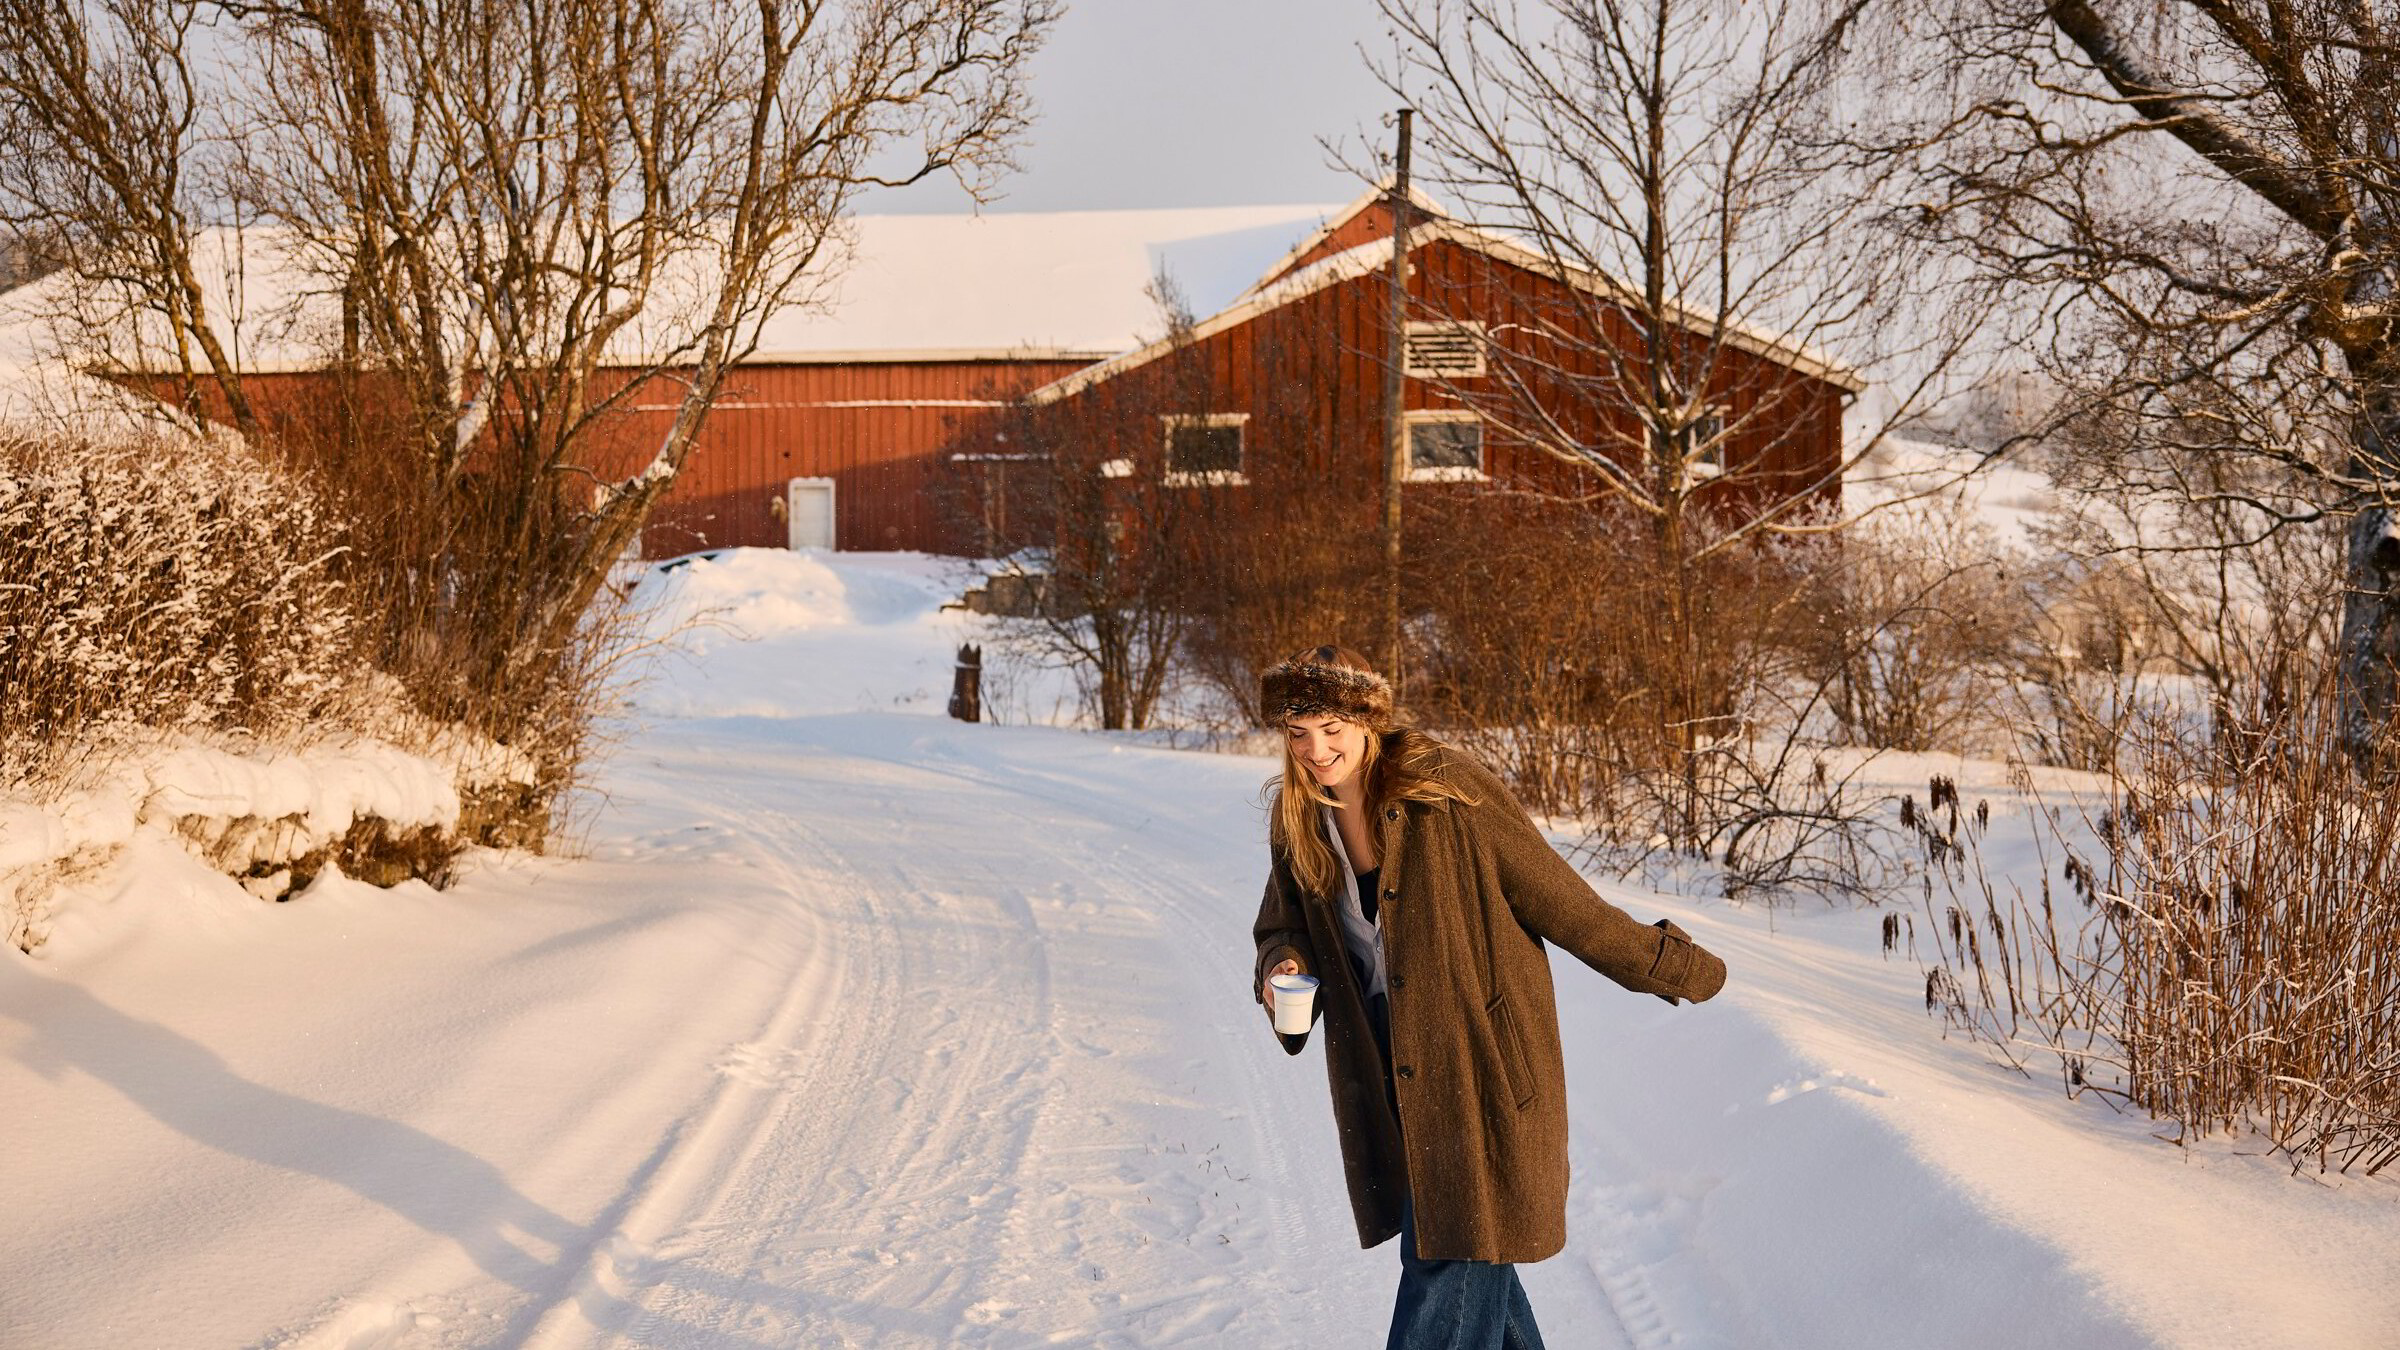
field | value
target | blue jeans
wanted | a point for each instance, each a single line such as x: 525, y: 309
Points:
x: 1450, y: 1305
x: 1457, y: 1305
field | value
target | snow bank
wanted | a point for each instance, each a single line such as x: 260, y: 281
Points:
x: 747, y: 630
x: 762, y: 593
x: 776, y: 633
x: 236, y: 810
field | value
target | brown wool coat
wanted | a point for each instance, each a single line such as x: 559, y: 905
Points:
x: 1470, y: 895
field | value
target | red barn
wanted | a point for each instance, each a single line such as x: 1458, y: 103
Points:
x: 845, y: 429
x: 838, y: 429
x: 1510, y: 359
x: 875, y: 420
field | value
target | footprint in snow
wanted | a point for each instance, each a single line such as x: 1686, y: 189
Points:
x: 760, y: 1065
x: 1800, y: 1087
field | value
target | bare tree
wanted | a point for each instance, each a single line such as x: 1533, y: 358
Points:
x: 1099, y: 528
x: 1908, y: 626
x: 1680, y: 156
x: 1204, y: 506
x: 24, y: 260
x: 1681, y: 161
x: 118, y: 166
x: 2241, y: 615
x: 512, y: 223
x: 2203, y: 193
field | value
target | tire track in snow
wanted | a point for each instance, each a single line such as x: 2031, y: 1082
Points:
x: 1025, y: 1105
x: 1308, y: 1224
x: 1309, y: 1244
x: 717, y: 1137
x: 873, y: 1181
x: 736, y: 1241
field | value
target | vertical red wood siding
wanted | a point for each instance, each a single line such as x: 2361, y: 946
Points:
x: 1309, y: 375
x: 1307, y: 372
x: 882, y: 431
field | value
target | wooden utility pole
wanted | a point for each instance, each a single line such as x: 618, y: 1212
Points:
x: 1395, y: 428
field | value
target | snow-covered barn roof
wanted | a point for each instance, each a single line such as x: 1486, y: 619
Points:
x: 1052, y: 282
x: 1282, y: 283
x: 44, y: 390
x: 1072, y: 284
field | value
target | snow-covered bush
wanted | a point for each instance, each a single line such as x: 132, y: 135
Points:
x: 166, y: 586
x: 181, y: 654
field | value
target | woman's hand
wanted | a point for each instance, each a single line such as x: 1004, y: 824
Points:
x: 1266, y: 987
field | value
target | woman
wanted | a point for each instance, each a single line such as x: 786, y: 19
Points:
x: 1406, y: 878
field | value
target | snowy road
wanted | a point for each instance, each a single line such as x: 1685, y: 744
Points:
x: 1010, y: 1102
x: 853, y: 1026
x: 903, y: 1034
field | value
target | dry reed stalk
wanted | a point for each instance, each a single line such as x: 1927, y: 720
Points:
x: 2237, y: 963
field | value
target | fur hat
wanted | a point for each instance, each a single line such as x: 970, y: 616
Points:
x: 1312, y: 684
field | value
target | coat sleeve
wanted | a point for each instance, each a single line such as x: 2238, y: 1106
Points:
x: 1555, y: 903
x: 1281, y: 934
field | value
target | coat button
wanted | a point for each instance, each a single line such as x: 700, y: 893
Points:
x: 1399, y: 981
x: 1407, y: 1072
x: 1393, y: 814
x: 1391, y: 892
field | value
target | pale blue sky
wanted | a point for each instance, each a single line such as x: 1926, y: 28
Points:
x: 1190, y: 103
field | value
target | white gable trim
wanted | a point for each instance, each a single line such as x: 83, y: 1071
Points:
x: 1336, y: 221
x: 1745, y: 337
x: 1375, y: 254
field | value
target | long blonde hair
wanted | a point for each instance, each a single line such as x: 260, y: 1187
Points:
x: 1397, y: 765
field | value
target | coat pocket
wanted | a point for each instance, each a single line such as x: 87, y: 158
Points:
x: 1514, y: 1067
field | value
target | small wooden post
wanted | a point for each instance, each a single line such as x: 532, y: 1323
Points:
x: 966, y: 685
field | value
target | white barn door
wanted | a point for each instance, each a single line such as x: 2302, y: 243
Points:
x: 809, y: 508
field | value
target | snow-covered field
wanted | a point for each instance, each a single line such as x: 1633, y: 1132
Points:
x: 851, y: 1025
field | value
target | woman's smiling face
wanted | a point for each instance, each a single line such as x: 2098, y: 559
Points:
x: 1328, y: 747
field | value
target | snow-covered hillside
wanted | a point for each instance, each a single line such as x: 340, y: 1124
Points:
x: 852, y: 1025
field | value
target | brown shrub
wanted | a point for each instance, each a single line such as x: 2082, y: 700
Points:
x: 2231, y: 959
x: 166, y: 585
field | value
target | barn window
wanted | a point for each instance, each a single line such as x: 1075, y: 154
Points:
x: 1445, y: 447
x: 1445, y: 351
x: 1205, y: 450
x: 1702, y: 444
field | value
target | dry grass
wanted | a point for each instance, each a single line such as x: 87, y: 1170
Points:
x: 2229, y: 959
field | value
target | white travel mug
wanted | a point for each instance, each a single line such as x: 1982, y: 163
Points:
x: 1295, y: 1002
